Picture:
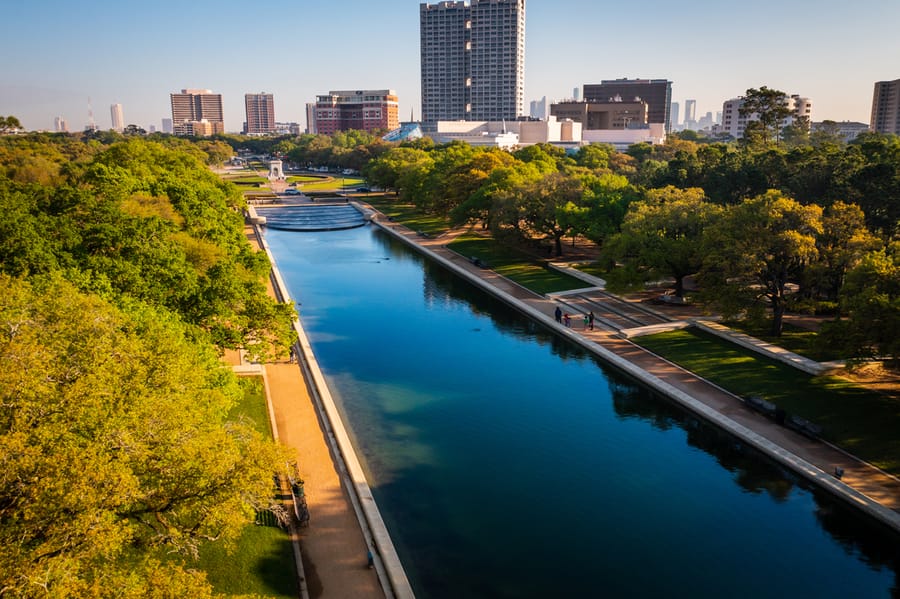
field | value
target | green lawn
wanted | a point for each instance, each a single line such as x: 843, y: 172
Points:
x: 793, y: 338
x: 409, y: 215
x: 303, y: 178
x: 336, y: 182
x: 515, y: 265
x: 247, y: 180
x: 252, y: 406
x: 262, y: 564
x: 862, y: 422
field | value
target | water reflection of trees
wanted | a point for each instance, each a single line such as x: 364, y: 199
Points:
x: 752, y: 471
x: 859, y: 536
x: 440, y: 285
x: 755, y: 473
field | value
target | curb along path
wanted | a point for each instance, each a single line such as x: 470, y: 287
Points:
x: 862, y: 485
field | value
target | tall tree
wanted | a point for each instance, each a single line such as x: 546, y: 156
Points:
x: 842, y: 244
x: 871, y: 299
x: 769, y: 107
x: 663, y: 234
x: 756, y: 250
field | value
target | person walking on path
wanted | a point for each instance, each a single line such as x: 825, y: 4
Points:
x: 567, y: 320
x: 558, y: 314
x: 591, y: 319
x: 585, y: 322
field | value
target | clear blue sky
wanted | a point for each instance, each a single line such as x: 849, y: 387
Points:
x: 58, y: 53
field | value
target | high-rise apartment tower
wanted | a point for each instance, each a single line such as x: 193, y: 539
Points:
x: 472, y: 60
x: 260, y: 113
x: 197, y: 112
x: 886, y: 107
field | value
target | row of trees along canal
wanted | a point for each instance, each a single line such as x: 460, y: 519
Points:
x: 125, y: 273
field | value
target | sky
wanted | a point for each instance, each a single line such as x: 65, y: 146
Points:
x: 60, y: 56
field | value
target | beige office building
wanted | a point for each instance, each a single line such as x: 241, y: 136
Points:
x: 197, y: 112
x: 260, y: 110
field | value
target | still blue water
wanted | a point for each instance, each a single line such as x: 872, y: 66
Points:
x: 508, y: 463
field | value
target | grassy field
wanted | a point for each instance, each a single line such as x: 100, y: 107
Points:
x: 515, y: 265
x: 261, y: 562
x: 246, y: 179
x: 863, y: 422
x: 793, y: 338
x: 336, y: 182
x: 303, y: 178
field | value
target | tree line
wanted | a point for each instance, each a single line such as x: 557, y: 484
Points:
x: 760, y: 225
x: 125, y: 273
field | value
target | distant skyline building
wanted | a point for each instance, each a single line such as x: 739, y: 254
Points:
x: 657, y: 93
x: 260, y: 113
x: 362, y: 109
x: 60, y: 125
x: 690, y: 113
x: 117, y: 118
x: 538, y: 109
x: 734, y: 123
x: 167, y: 125
x: 673, y: 112
x: 886, y: 107
x: 197, y: 112
x: 288, y: 128
x: 472, y: 60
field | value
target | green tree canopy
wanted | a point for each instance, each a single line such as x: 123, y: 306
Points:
x: 769, y: 107
x: 756, y: 250
x: 114, y: 440
x: 663, y: 234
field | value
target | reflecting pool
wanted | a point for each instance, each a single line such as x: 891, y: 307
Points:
x: 508, y: 463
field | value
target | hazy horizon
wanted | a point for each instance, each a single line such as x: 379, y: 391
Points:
x: 62, y: 54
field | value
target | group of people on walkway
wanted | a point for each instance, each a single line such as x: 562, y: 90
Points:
x: 565, y: 319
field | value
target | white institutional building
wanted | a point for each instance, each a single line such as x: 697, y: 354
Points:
x: 118, y: 120
x: 734, y: 123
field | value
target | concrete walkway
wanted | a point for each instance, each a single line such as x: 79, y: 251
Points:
x: 814, y: 459
x: 333, y: 546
